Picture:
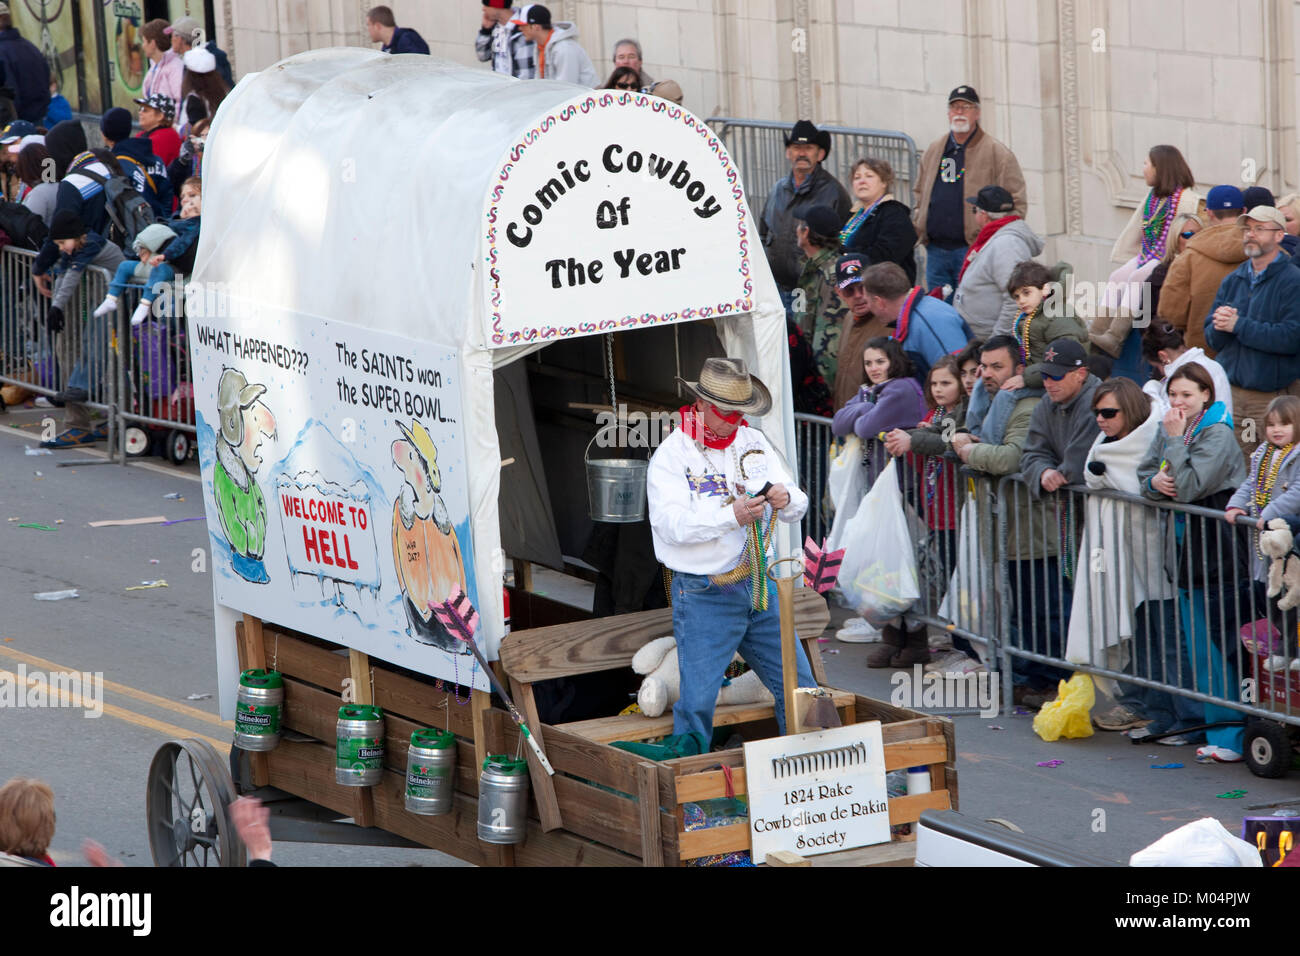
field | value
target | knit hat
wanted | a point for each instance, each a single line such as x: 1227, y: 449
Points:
x: 66, y: 225
x: 153, y: 237
x: 116, y: 124
x: 822, y: 220
x: 64, y: 142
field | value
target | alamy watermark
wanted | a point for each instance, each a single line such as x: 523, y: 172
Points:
x: 38, y: 689
x: 919, y: 690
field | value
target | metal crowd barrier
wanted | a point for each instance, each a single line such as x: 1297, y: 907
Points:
x: 137, y: 377
x: 757, y: 147
x: 1168, y: 609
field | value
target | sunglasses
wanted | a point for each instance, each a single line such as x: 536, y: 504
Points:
x: 1054, y: 378
x: 729, y: 417
x: 1188, y: 234
x: 625, y: 86
x: 1106, y: 413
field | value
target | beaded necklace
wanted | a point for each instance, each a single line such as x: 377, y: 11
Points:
x: 1021, y: 332
x: 1190, y: 430
x: 856, y: 221
x: 1157, y: 218
x: 1269, y: 464
x: 934, y: 463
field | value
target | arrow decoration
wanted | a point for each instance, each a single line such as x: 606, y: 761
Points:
x: 821, y: 568
x: 461, y: 620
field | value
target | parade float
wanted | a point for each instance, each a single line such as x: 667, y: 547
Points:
x: 419, y: 287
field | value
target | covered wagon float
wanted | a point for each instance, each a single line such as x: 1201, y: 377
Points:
x: 422, y: 295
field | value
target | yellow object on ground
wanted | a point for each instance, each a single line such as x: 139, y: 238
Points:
x: 1068, y: 715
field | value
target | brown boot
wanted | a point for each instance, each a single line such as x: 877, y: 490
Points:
x: 891, y: 641
x: 916, y: 648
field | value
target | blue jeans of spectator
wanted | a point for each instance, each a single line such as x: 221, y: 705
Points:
x: 1040, y: 610
x: 942, y: 266
x: 711, y: 623
x: 93, y: 359
x: 1160, y: 654
x: 161, y: 274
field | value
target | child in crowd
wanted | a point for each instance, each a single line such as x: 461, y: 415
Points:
x: 968, y: 360
x: 78, y: 248
x: 1272, y: 490
x: 935, y: 496
x: 163, y: 250
x: 1194, y: 459
x: 1030, y: 285
x: 890, y: 399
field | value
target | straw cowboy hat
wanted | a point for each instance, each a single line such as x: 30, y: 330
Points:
x: 726, y: 383
x: 424, y: 447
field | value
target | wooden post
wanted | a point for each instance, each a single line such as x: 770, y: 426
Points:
x: 363, y: 803
x: 255, y: 657
x: 480, y: 702
x: 652, y: 844
x: 789, y: 658
x: 523, y: 574
x: 548, y: 804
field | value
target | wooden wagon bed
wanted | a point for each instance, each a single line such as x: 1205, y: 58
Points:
x: 603, y: 806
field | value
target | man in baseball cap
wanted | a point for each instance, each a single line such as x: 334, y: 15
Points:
x: 157, y: 110
x: 1195, y: 274
x: 559, y: 54
x: 957, y: 166
x: 187, y: 33
x: 859, y: 326
x: 500, y: 41
x: 1254, y: 323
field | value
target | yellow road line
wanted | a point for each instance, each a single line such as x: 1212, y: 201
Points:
x: 131, y: 717
x: 183, y: 709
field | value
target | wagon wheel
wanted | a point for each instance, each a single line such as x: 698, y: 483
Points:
x: 187, y: 804
x: 178, y: 446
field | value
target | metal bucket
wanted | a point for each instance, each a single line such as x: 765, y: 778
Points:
x: 615, y: 486
x: 503, y: 800
x: 260, y: 708
x: 430, y: 772
x: 359, y: 757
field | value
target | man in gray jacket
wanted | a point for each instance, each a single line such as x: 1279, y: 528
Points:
x: 559, y: 55
x: 1004, y: 241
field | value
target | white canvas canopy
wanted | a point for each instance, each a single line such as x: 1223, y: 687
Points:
x: 363, y: 188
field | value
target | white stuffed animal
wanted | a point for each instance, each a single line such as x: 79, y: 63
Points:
x: 1284, y: 571
x: 657, y: 662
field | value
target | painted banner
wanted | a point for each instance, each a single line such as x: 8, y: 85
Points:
x: 335, y: 482
x: 613, y: 201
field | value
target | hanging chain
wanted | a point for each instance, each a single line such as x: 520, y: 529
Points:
x: 609, y: 366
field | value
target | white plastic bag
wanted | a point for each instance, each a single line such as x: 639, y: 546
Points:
x: 1204, y: 842
x: 846, y: 482
x: 878, y: 574
x: 969, y: 601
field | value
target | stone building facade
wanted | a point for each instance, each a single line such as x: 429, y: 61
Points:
x: 1079, y: 89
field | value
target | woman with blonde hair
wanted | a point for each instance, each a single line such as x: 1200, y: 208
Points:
x: 1185, y: 226
x: 1289, y: 207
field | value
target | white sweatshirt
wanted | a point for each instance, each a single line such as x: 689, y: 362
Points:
x: 1222, y: 390
x: 694, y: 527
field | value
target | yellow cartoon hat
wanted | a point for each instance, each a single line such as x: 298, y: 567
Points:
x: 423, y: 444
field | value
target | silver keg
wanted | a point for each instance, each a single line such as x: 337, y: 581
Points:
x: 260, y: 709
x: 430, y: 772
x: 503, y: 800
x: 359, y: 757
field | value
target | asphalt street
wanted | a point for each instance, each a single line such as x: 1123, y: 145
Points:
x: 155, y: 650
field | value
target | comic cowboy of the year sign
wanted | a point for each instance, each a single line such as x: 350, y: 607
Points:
x: 616, y: 211
x: 334, y: 480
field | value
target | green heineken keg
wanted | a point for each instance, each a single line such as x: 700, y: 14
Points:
x: 503, y: 800
x: 260, y: 707
x: 430, y: 772
x: 359, y: 759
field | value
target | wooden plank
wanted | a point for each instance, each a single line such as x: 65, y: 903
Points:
x: 315, y: 665
x: 588, y: 760
x: 894, y: 853
x: 307, y: 770
x: 422, y: 703
x: 950, y: 767
x: 640, y: 727
x: 523, y: 574
x: 730, y: 839
x: 479, y: 704
x: 814, y: 651
x: 548, y: 806
x: 584, y: 647
x: 908, y: 809
x: 911, y: 753
x: 359, y: 671
x: 652, y: 850
x: 870, y: 709
x: 786, y: 858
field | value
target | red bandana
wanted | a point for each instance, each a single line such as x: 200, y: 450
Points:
x: 695, y: 428
x: 985, y: 235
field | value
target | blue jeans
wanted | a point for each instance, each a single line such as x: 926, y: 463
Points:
x: 1160, y: 654
x: 93, y: 358
x: 711, y: 623
x: 162, y: 273
x: 942, y: 266
x: 1215, y: 674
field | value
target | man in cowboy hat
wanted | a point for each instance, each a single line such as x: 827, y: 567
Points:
x: 714, y: 489
x: 426, y: 551
x: 244, y: 421
x: 807, y: 185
